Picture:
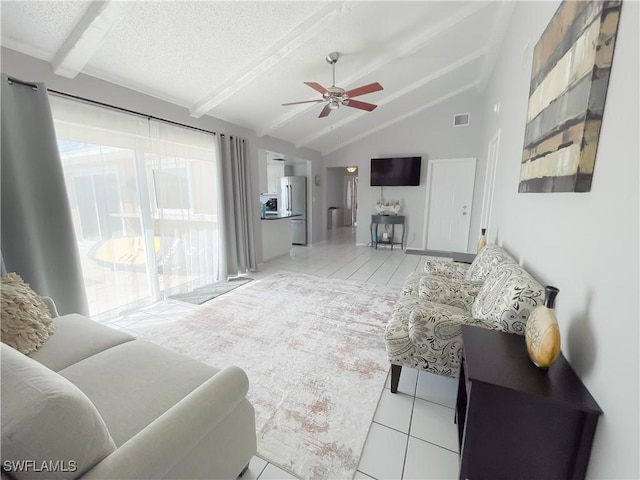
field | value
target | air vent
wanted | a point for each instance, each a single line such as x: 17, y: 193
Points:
x: 461, y: 120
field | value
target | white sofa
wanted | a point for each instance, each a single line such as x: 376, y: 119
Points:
x: 94, y: 402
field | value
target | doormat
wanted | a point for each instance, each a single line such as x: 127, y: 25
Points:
x: 208, y: 292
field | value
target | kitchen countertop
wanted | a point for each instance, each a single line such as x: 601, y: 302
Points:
x: 278, y: 216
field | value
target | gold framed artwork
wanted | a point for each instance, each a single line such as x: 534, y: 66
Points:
x: 569, y: 81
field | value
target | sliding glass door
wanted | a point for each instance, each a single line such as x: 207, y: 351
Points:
x: 143, y: 197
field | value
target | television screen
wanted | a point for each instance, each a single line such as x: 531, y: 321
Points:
x: 395, y: 172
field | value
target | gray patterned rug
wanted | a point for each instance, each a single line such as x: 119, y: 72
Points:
x: 314, y: 351
x: 213, y: 290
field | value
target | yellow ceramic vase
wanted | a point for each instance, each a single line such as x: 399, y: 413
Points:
x: 482, y: 242
x: 542, y: 334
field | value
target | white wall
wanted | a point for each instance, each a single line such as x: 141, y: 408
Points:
x: 31, y: 69
x: 586, y: 244
x: 429, y: 134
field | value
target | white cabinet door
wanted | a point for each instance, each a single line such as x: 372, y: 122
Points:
x: 449, y: 198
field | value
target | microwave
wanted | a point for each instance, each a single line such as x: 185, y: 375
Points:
x: 269, y: 202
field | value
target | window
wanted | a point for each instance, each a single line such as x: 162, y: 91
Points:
x: 144, y: 203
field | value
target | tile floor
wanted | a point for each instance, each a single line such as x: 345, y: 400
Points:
x: 413, y: 434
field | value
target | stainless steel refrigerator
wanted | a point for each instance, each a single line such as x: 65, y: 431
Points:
x: 293, y: 201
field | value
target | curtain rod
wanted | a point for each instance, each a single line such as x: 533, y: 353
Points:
x: 120, y: 109
x: 12, y: 80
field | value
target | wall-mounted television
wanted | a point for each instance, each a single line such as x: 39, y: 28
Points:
x: 395, y: 172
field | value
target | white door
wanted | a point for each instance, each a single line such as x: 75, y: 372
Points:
x: 489, y: 181
x: 449, y: 200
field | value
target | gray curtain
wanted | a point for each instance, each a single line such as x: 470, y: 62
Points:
x: 37, y: 236
x: 239, y: 254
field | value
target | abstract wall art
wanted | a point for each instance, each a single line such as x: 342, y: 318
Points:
x: 569, y: 80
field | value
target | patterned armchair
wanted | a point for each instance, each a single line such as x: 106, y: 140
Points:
x: 425, y: 329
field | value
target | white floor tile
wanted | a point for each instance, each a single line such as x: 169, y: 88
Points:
x: 150, y: 323
x: 437, y: 389
x: 434, y: 423
x: 427, y: 461
x: 256, y: 466
x: 271, y: 472
x: 129, y: 318
x: 383, y: 453
x: 408, y: 381
x: 361, y: 476
x: 394, y: 410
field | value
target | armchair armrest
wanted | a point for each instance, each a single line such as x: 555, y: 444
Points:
x: 447, y: 269
x: 436, y: 333
x: 155, y: 450
x: 51, y: 305
x: 449, y: 291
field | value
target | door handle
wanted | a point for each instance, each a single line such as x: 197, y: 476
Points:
x: 464, y: 213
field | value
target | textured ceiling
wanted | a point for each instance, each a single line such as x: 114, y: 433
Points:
x: 239, y: 60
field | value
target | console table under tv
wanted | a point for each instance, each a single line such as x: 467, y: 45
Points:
x: 516, y: 420
x: 392, y: 220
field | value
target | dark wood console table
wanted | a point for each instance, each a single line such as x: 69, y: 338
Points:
x: 515, y: 420
x: 392, y: 220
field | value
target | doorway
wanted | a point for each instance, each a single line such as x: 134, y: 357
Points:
x: 342, y: 203
x: 350, y: 216
x: 448, y: 204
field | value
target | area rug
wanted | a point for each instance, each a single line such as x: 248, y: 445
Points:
x: 211, y: 291
x: 314, y: 351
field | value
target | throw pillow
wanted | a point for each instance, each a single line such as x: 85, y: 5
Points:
x: 507, y: 298
x: 26, y: 321
x: 486, y: 261
x: 46, y: 418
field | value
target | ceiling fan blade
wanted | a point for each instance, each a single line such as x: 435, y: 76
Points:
x: 305, y: 101
x: 372, y: 87
x: 317, y: 87
x: 325, y: 111
x: 361, y: 105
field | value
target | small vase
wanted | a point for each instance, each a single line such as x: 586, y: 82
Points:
x: 542, y: 334
x: 482, y: 242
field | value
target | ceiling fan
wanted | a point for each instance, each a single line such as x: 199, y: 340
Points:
x: 336, y: 96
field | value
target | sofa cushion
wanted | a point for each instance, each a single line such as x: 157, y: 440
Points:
x: 45, y: 418
x: 446, y: 268
x: 411, y: 285
x: 449, y: 291
x: 486, y: 261
x: 507, y: 298
x: 26, y: 321
x: 77, y: 338
x: 145, y: 377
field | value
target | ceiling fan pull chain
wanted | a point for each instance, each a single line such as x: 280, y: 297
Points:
x: 333, y: 65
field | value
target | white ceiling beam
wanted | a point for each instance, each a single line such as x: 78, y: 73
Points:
x: 408, y: 48
x: 400, y: 93
x: 311, y: 27
x: 408, y: 114
x: 87, y: 37
x: 500, y: 25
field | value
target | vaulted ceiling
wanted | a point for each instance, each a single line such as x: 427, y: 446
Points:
x: 239, y: 60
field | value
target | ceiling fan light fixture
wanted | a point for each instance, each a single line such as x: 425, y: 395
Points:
x: 351, y: 169
x: 334, y: 96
